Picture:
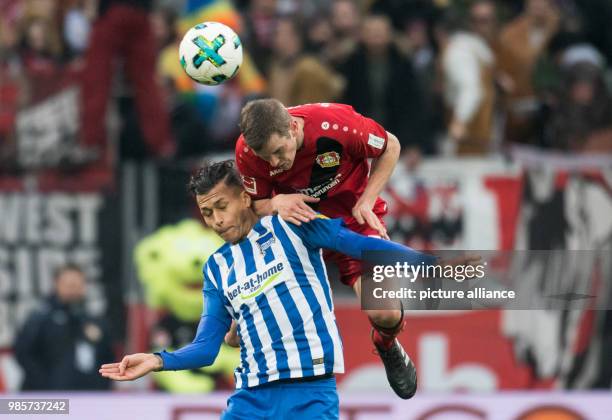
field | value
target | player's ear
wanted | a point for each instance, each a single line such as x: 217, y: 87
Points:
x: 246, y: 199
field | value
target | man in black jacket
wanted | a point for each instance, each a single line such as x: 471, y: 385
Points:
x: 381, y: 83
x: 60, y: 345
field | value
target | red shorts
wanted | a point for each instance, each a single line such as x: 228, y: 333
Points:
x: 350, y: 268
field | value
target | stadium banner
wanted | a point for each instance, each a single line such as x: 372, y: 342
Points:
x: 550, y: 204
x: 42, y: 229
x: 452, y: 350
x: 370, y: 406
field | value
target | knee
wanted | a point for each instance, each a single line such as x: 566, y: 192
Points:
x: 385, y: 318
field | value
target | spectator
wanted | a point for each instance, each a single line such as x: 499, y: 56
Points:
x: 381, y: 84
x: 11, y: 91
x: 582, y: 120
x: 77, y: 19
x: 319, y: 37
x: 295, y: 78
x: 40, y: 54
x: 260, y: 24
x: 467, y: 63
x: 123, y: 30
x: 597, y: 15
x: 164, y: 26
x: 60, y: 346
x: 417, y: 44
x: 346, y: 22
x: 188, y: 129
x: 521, y: 43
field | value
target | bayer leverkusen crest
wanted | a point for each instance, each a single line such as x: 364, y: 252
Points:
x: 328, y: 159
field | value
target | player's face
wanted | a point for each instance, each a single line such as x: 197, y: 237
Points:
x: 279, y: 151
x: 226, y: 210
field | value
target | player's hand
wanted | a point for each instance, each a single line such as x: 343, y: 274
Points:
x: 131, y: 367
x: 231, y: 338
x: 362, y: 212
x: 465, y: 260
x: 293, y: 207
x: 457, y: 130
x: 468, y: 259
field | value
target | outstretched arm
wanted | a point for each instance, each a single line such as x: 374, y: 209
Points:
x: 201, y: 352
x: 354, y: 244
x: 214, y: 323
x: 331, y: 234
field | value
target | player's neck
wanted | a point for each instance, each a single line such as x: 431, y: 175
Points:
x: 251, y: 220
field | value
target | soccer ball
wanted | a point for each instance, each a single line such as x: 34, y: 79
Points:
x: 211, y: 53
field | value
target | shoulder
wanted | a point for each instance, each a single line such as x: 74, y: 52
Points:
x: 242, y: 152
x: 246, y: 160
x: 40, y: 314
x: 512, y: 29
x: 321, y: 116
x: 219, y: 253
x: 271, y: 222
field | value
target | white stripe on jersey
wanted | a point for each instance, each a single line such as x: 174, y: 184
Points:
x: 223, y: 269
x: 268, y: 278
x: 329, y: 317
x: 314, y: 341
x: 240, y: 271
x: 293, y: 354
x: 265, y: 337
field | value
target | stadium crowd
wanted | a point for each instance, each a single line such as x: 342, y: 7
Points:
x: 447, y: 77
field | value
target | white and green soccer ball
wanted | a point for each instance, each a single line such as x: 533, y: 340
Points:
x: 211, y: 53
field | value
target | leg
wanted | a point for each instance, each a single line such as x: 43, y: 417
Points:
x: 309, y: 400
x: 97, y: 77
x: 383, y: 318
x: 386, y: 325
x: 249, y: 404
x: 141, y: 65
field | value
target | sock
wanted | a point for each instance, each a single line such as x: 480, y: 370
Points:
x: 384, y: 337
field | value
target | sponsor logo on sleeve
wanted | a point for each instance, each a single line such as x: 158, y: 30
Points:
x: 328, y: 159
x: 249, y: 184
x: 276, y: 172
x: 375, y: 141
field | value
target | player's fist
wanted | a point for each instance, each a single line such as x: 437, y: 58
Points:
x: 294, y: 208
x: 231, y: 338
x: 132, y: 367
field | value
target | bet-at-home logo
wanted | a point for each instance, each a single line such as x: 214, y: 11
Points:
x: 256, y: 284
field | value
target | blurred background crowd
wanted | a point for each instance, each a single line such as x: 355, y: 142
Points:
x: 463, y: 84
x: 447, y: 77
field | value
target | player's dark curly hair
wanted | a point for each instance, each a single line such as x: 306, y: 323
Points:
x: 209, y: 175
x: 260, y: 119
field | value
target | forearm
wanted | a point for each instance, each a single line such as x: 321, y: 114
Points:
x: 354, y: 245
x: 202, y: 351
x: 382, y: 168
x: 263, y: 207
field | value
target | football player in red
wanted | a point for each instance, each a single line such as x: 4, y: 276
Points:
x: 296, y: 160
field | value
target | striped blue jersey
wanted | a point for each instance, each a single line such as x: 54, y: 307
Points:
x: 274, y: 285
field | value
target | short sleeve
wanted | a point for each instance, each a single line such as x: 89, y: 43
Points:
x: 362, y: 136
x: 320, y: 232
x: 247, y: 163
x: 213, y: 303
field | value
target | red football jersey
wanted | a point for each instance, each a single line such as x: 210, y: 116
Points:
x: 332, y: 163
